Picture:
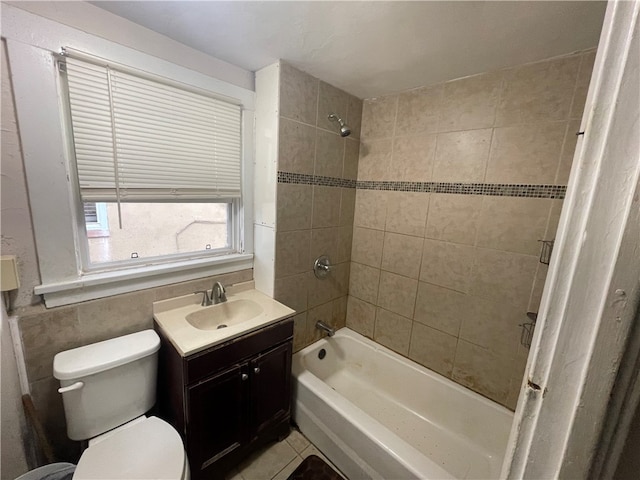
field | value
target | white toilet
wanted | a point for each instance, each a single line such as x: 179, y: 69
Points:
x: 107, y: 387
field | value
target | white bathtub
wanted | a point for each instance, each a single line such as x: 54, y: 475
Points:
x: 376, y: 414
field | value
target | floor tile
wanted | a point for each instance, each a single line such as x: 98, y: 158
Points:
x: 267, y: 463
x: 298, y: 441
x: 289, y: 469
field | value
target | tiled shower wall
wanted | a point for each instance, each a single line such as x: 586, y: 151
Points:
x: 316, y: 194
x: 457, y: 182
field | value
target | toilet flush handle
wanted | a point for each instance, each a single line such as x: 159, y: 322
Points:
x: 74, y: 386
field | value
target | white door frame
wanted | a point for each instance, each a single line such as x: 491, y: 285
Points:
x: 592, y: 290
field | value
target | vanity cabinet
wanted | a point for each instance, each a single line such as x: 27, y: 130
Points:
x: 230, y: 399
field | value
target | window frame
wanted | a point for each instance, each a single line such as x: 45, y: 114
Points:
x: 56, y: 213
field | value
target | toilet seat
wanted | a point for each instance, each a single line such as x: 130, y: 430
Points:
x: 148, y: 449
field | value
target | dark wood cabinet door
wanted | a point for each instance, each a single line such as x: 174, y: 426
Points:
x: 217, y: 417
x: 270, y: 387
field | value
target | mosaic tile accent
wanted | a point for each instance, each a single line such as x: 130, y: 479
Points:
x: 306, y: 179
x: 489, y: 189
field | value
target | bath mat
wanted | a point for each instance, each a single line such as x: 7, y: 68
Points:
x: 314, y: 468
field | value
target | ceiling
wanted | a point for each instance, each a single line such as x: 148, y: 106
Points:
x: 371, y: 48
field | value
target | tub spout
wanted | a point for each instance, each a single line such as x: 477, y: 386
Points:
x: 326, y: 328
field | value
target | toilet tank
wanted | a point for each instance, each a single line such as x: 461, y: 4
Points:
x: 106, y: 384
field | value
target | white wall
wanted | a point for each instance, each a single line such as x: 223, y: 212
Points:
x: 12, y: 423
x: 98, y: 22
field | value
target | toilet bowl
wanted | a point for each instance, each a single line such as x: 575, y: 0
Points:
x: 107, y: 388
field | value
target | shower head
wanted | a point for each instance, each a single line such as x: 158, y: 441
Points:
x: 345, y: 131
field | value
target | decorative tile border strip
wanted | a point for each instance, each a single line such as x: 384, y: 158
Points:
x: 489, y: 189
x: 307, y: 179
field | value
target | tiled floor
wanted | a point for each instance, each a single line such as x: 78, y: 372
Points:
x: 278, y: 460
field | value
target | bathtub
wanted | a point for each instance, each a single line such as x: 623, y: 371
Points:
x: 376, y: 414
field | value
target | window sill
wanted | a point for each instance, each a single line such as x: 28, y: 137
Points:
x: 97, y: 285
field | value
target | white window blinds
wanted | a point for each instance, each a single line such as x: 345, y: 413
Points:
x: 139, y: 140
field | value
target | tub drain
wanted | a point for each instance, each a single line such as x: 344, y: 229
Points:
x: 322, y: 353
x: 222, y: 325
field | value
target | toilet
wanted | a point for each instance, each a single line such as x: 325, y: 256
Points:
x: 107, y: 388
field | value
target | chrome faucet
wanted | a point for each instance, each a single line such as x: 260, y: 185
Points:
x: 320, y: 325
x: 218, y: 293
x: 206, y: 299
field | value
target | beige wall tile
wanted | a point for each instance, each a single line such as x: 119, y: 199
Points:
x: 367, y: 246
x: 454, y: 218
x: 300, y: 337
x: 462, y: 156
x: 432, y: 348
x: 361, y: 316
x: 393, y: 331
x: 344, y: 241
x: 568, y: 151
x: 492, y: 324
x: 503, y: 276
x: 354, y: 116
x: 292, y: 291
x: 375, y: 159
x: 185, y: 288
x: 323, y: 290
x: 371, y: 209
x: 294, y: 206
x: 351, y: 155
x: 418, y: 110
x: 582, y: 84
x: 331, y: 100
x: 539, y: 92
x: 298, y: 94
x: 525, y: 154
x: 513, y: 224
x: 347, y: 206
x: 483, y: 371
x: 339, y: 312
x: 397, y: 293
x: 447, y: 264
x: 292, y: 252
x: 46, y: 333
x: 115, y: 316
x: 439, y: 308
x: 401, y: 254
x: 379, y: 116
x: 296, y: 147
x: 326, y: 206
x: 470, y: 102
x: 364, y: 282
x: 324, y: 241
x: 412, y: 158
x: 407, y: 212
x: 320, y: 313
x: 342, y: 274
x: 329, y: 154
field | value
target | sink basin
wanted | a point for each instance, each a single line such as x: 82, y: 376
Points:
x: 226, y: 314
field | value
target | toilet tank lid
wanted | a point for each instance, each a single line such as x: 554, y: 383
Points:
x: 98, y: 357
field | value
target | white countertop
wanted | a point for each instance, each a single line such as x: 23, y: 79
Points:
x: 171, y: 317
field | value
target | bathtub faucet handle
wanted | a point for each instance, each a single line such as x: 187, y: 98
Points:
x: 320, y: 325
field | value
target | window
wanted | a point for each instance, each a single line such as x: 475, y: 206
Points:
x: 55, y: 199
x: 158, y: 166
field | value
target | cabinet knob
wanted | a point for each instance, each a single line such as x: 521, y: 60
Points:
x: 256, y: 370
x: 244, y: 377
